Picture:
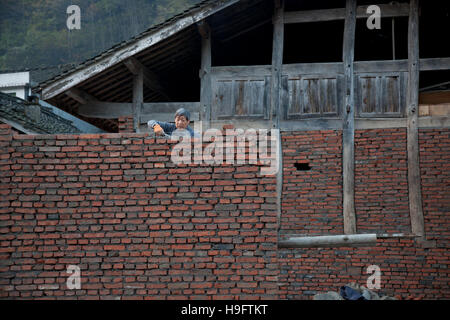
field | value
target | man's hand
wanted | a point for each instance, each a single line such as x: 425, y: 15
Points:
x: 158, y: 130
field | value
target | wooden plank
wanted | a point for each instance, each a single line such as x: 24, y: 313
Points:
x: 170, y: 107
x: 325, y: 69
x: 314, y: 15
x: 427, y: 64
x: 223, y: 95
x: 312, y: 95
x: 434, y: 122
x: 369, y: 92
x: 80, y: 96
x: 138, y: 96
x: 205, y: 74
x: 61, y: 85
x: 238, y: 107
x: 434, y: 64
x: 257, y: 97
x: 361, y: 124
x: 267, y: 96
x: 166, y: 117
x: 328, y: 95
x: 295, y: 98
x: 284, y: 99
x: 369, y: 239
x: 414, y: 183
x: 114, y: 110
x: 434, y: 97
x: 387, y: 10
x: 391, y: 95
x: 380, y: 66
x: 151, y: 80
x: 237, y: 72
x: 311, y: 124
x: 106, y: 110
x: 348, y: 133
x: 277, y: 61
x: 253, y: 72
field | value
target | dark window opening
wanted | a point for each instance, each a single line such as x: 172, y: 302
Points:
x: 301, y: 166
x: 295, y: 5
x: 434, y: 25
x: 434, y: 87
x: 383, y: 43
x: 250, y: 47
x: 313, y: 42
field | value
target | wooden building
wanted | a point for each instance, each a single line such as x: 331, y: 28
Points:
x: 363, y: 117
x: 287, y: 64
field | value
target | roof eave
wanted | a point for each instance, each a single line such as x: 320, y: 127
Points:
x: 58, y: 86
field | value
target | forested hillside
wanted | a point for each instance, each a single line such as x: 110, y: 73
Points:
x: 33, y: 33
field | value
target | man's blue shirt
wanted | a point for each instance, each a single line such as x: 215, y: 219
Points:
x: 168, y: 128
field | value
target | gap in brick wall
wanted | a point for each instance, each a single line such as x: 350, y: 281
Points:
x: 302, y: 166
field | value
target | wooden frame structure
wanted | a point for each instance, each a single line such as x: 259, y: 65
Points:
x: 345, y: 95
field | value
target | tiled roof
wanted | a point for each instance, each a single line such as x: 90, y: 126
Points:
x: 32, y: 117
x: 154, y: 28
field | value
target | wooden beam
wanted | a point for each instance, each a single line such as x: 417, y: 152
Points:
x: 369, y: 239
x: 165, y: 116
x: 314, y: 15
x: 151, y: 80
x: 113, y: 110
x: 327, y: 68
x: 430, y: 64
x: 277, y: 63
x: 348, y: 133
x: 105, y: 110
x: 170, y: 107
x: 59, y: 86
x: 205, y: 74
x: 279, y: 187
x: 387, y: 10
x: 80, y: 96
x: 414, y: 183
x: 435, y: 97
x: 138, y: 97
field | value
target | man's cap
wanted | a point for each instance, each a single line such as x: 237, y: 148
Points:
x: 183, y: 112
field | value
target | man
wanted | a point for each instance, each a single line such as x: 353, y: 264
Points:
x: 182, y: 121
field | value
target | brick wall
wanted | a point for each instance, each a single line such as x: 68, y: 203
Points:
x: 126, y: 124
x: 410, y: 267
x: 381, y: 181
x: 312, y: 198
x: 136, y: 224
x: 435, y: 178
x: 140, y: 227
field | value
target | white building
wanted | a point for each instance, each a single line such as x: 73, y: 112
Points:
x: 16, y: 84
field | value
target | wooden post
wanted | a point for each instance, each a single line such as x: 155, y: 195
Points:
x: 414, y: 187
x: 277, y: 62
x: 138, y: 97
x: 348, y: 133
x: 205, y: 74
x: 275, y: 89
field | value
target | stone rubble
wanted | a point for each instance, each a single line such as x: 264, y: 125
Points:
x: 366, y: 293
